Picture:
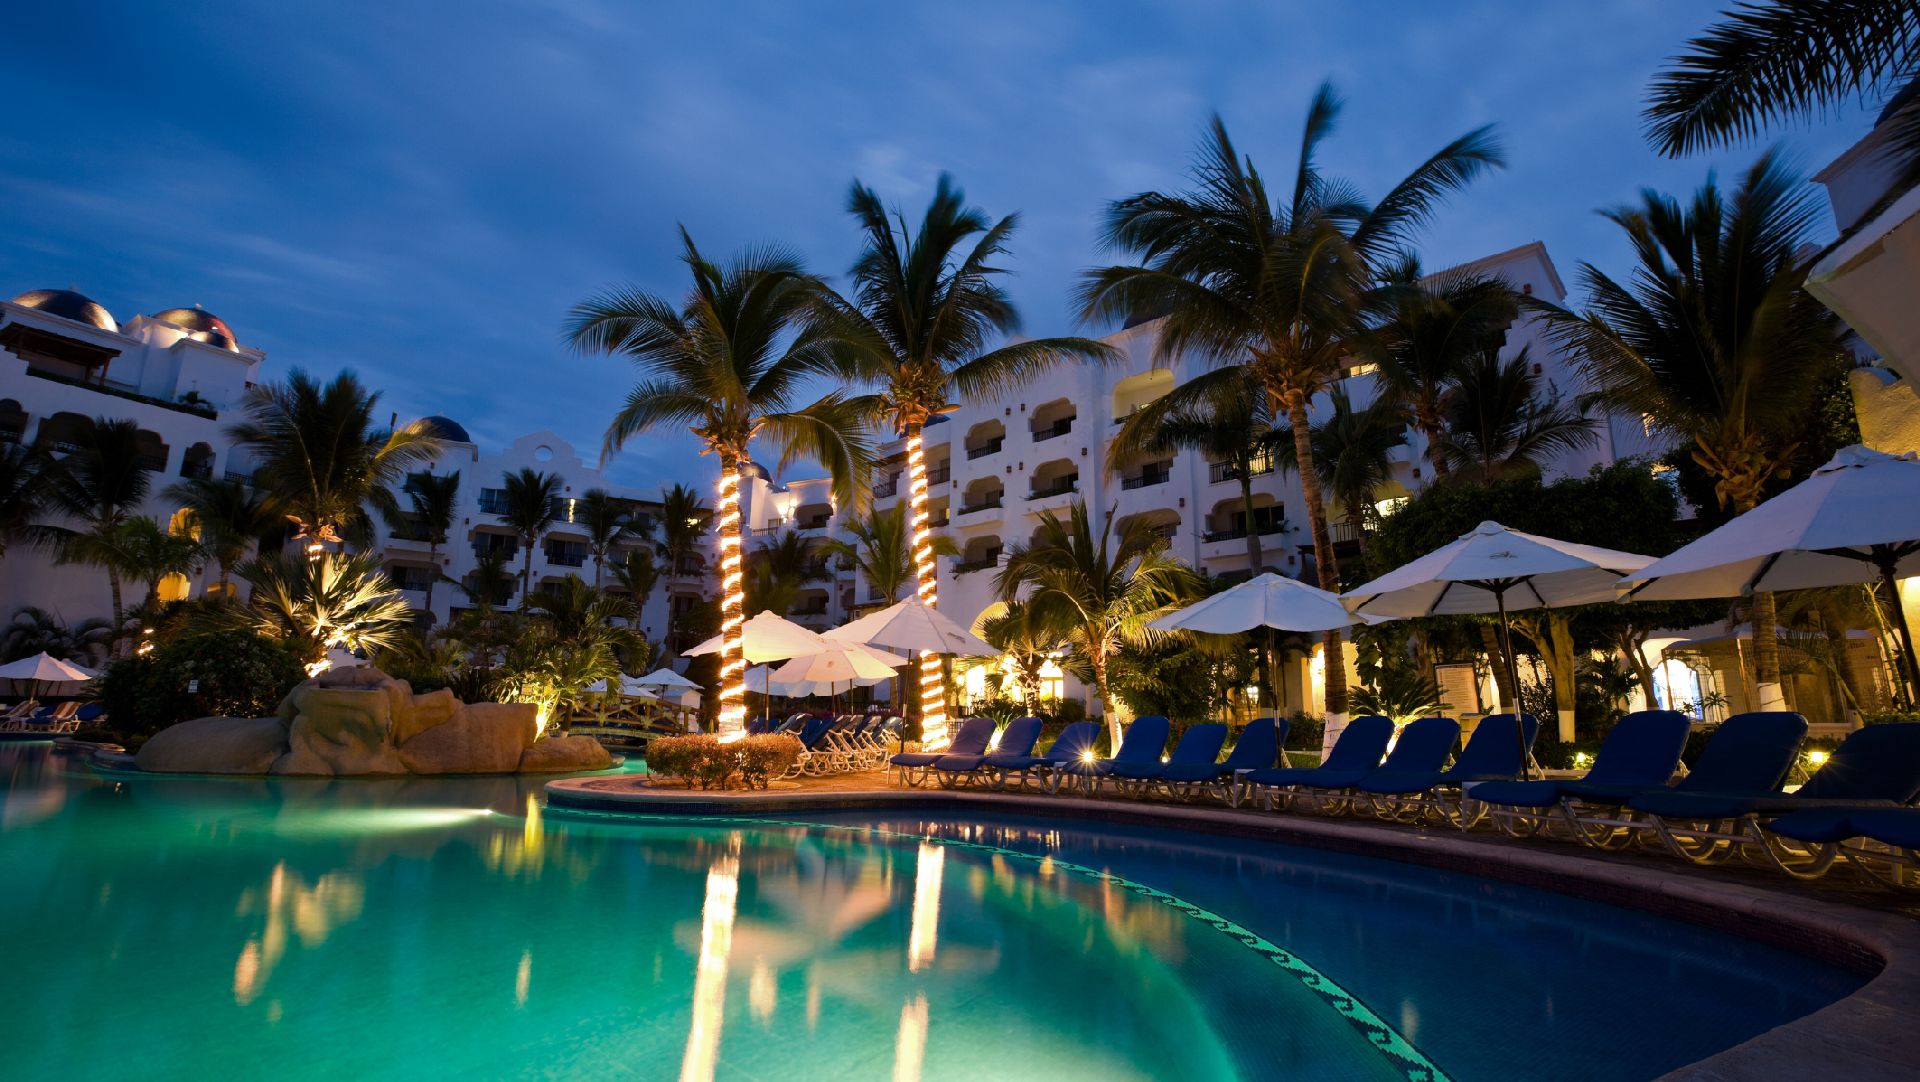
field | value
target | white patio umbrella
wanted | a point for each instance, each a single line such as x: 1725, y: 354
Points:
x: 914, y: 625
x: 1267, y: 600
x: 1494, y: 569
x: 845, y: 661
x: 769, y: 638
x: 1855, y: 521
x: 666, y: 678
x: 44, y: 668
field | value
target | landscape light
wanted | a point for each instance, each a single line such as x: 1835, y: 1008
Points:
x: 1817, y: 757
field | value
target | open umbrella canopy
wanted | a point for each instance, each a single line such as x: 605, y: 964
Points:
x: 844, y: 661
x: 769, y: 638
x: 665, y: 678
x: 629, y: 686
x: 1492, y: 568
x: 45, y: 668
x: 914, y: 625
x: 1266, y: 600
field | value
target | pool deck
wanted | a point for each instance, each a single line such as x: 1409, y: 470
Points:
x: 1868, y: 930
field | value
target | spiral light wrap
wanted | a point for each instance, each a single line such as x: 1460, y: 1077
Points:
x: 733, y: 603
x: 933, y: 692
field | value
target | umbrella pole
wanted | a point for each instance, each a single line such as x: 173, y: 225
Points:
x: 1273, y: 674
x: 1909, y: 666
x: 1513, y: 680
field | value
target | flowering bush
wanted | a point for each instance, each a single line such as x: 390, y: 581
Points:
x: 703, y: 760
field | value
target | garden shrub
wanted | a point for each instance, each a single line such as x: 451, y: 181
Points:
x: 219, y: 674
x: 702, y: 760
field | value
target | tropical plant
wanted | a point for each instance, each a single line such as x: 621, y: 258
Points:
x: 227, y: 517
x: 637, y: 574
x: 574, y: 635
x: 609, y: 523
x: 431, y: 502
x: 489, y: 585
x: 36, y: 631
x: 319, y: 458
x: 1713, y: 340
x: 322, y: 602
x: 776, y: 571
x: 928, y: 306
x: 879, y: 548
x: 528, y: 511
x: 1027, y: 639
x: 24, y: 479
x: 1433, y: 330
x: 1280, y: 286
x: 1500, y: 420
x: 731, y: 363
x: 684, y: 521
x: 1107, y: 587
x: 1226, y: 419
x: 224, y: 673
x: 1352, y: 452
x: 150, y: 553
x: 1769, y: 61
x: 100, y: 485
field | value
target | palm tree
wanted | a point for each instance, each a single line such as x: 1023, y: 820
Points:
x: 776, y: 571
x: 1432, y: 331
x: 319, y: 458
x: 637, y: 573
x: 928, y: 306
x: 528, y: 510
x: 325, y: 601
x: 99, y: 485
x: 1224, y: 416
x: 1775, y: 60
x: 24, y: 479
x: 1027, y: 640
x: 608, y: 523
x: 1501, y: 421
x: 37, y: 631
x: 1107, y: 587
x: 150, y: 553
x: 1281, y: 286
x: 1713, y: 339
x: 1353, y: 452
x: 684, y: 519
x: 879, y: 550
x: 431, y: 503
x: 731, y: 363
x: 227, y: 517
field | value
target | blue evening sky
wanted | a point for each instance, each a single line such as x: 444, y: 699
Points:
x: 420, y: 191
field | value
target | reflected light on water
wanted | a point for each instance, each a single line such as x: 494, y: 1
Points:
x: 531, y: 834
x: 290, y: 905
x: 762, y: 991
x: 523, y: 978
x: 910, y: 1046
x: 710, y: 980
x: 925, y: 933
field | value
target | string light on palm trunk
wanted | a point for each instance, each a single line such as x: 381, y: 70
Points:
x: 933, y: 691
x: 733, y: 602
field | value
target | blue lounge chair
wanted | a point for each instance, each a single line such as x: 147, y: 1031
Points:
x: 1885, y: 842
x: 1491, y: 754
x: 1641, y: 752
x: 1421, y: 747
x: 1145, y: 741
x: 1074, y: 742
x: 1198, y: 747
x: 970, y: 739
x: 1257, y: 749
x: 1874, y: 767
x: 1017, y: 738
x: 1749, y: 753
x: 1360, y: 747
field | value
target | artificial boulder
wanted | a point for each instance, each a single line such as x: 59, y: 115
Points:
x: 563, y: 754
x: 481, y: 738
x: 340, y: 731
x: 215, y: 746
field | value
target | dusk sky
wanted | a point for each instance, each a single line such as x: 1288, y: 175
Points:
x: 421, y: 191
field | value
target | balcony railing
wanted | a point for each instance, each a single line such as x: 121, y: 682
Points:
x: 198, y: 409
x: 1058, y: 488
x: 938, y: 517
x: 485, y: 548
x: 1166, y: 531
x: 241, y: 476
x: 986, y: 560
x: 1220, y: 472
x: 155, y: 463
x: 815, y: 608
x: 986, y: 504
x: 1153, y: 473
x: 888, y: 487
x: 566, y: 557
x: 1345, y: 531
x: 817, y: 522
x: 1058, y: 428
x: 201, y: 470
x: 1239, y: 533
x: 991, y: 447
x: 939, y: 475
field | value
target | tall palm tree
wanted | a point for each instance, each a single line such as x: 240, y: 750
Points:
x: 37, y: 631
x: 228, y: 517
x: 1107, y: 587
x: 432, y: 499
x: 24, y: 479
x: 636, y: 573
x: 1224, y: 416
x: 1432, y: 330
x: 1713, y: 339
x: 879, y: 548
x: 731, y: 363
x: 1352, y: 451
x: 928, y: 309
x: 608, y: 523
x: 319, y: 457
x: 1769, y: 61
x: 1500, y: 420
x: 100, y: 485
x: 684, y: 520
x: 1027, y: 638
x: 1280, y: 285
x: 528, y: 511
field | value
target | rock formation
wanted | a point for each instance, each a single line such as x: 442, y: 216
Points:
x: 360, y: 721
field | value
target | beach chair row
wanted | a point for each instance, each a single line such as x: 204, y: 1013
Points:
x: 839, y: 745
x: 67, y: 717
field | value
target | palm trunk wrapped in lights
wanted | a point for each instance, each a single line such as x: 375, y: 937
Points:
x: 733, y: 602
x: 933, y: 684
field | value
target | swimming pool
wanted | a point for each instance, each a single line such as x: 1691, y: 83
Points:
x: 187, y: 928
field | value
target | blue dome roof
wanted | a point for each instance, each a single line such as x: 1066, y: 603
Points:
x: 446, y: 428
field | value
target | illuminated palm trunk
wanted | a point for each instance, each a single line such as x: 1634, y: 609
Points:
x: 733, y: 602
x: 933, y: 689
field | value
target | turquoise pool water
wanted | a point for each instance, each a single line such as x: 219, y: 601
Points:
x: 182, y: 928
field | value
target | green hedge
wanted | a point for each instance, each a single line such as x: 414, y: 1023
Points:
x: 223, y: 673
x: 701, y: 759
